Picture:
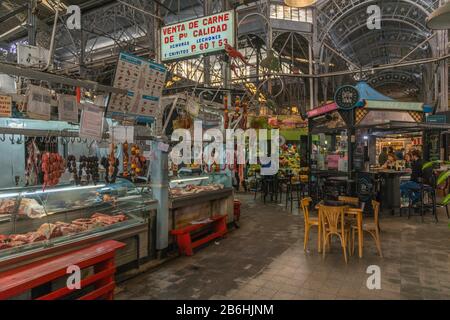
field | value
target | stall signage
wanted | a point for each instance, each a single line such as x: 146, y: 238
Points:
x: 5, y: 106
x: 144, y: 80
x: 322, y: 110
x: 437, y: 118
x: 197, y: 37
x: 347, y: 97
x: 68, y: 108
x: 91, y: 124
x: 39, y: 103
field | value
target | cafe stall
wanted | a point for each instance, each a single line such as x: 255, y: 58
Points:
x: 346, y: 134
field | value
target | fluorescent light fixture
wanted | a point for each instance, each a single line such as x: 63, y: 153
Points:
x: 440, y: 18
x: 299, y: 3
x: 38, y: 192
x: 190, y: 179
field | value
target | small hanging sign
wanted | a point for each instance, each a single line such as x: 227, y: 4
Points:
x: 91, y: 124
x: 39, y: 102
x: 67, y: 108
x: 347, y: 97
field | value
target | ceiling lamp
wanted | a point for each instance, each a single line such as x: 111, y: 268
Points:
x: 299, y: 3
x: 440, y: 18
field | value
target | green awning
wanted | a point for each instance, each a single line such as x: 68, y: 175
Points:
x: 394, y: 105
x: 294, y: 135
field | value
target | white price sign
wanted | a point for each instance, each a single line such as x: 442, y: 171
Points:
x: 196, y: 37
x: 120, y: 134
x: 39, y: 103
x: 68, y: 108
x: 91, y: 124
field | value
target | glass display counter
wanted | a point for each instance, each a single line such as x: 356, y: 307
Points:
x: 33, y: 219
x: 194, y: 198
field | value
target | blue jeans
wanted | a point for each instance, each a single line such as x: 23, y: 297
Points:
x: 411, y: 188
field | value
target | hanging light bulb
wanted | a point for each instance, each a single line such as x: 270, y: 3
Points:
x: 299, y: 3
x: 440, y: 18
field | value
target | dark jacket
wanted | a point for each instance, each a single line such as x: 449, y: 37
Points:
x: 382, y: 158
x: 416, y: 167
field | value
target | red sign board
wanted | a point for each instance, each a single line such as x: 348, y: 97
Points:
x: 322, y: 110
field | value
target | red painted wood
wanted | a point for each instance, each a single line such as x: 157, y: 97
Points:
x: 19, y: 280
x: 84, y: 283
x: 105, y: 291
x: 184, y: 237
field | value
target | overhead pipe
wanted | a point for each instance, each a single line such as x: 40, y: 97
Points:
x: 52, y: 42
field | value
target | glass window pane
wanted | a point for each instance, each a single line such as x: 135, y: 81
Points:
x: 309, y: 17
x: 302, y: 15
x: 279, y: 12
x: 287, y: 13
x: 295, y: 16
x: 273, y: 11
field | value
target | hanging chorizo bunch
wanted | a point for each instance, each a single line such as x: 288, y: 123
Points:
x: 92, y: 169
x: 52, y: 168
x: 126, y: 158
x: 138, y: 162
x: 72, y: 168
x: 111, y: 165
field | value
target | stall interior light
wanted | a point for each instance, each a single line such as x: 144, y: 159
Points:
x: 366, y: 138
x: 38, y: 192
x: 189, y: 179
x: 299, y: 3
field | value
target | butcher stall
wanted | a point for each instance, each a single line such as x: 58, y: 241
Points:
x: 197, y: 198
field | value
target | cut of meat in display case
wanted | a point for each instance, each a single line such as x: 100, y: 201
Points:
x: 33, y: 218
x: 190, y: 185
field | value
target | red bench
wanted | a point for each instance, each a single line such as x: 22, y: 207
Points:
x: 101, y: 256
x: 184, y: 237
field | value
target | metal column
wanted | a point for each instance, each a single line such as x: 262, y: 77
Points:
x: 160, y: 187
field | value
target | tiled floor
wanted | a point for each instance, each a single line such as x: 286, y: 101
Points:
x: 264, y: 259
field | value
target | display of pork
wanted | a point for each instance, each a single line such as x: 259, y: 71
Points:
x: 49, y: 231
x: 192, y: 189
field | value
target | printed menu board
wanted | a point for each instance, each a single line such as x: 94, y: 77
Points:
x: 5, y: 106
x: 144, y: 80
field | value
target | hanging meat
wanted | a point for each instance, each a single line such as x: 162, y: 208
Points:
x: 52, y: 168
x: 138, y: 162
x: 72, y: 168
x: 125, y: 159
x: 111, y: 165
x: 32, y: 167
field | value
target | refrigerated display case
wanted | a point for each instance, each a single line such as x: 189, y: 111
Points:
x: 35, y: 223
x: 195, y: 198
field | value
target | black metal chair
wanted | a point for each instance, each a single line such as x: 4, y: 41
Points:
x: 427, y: 190
x: 295, y: 191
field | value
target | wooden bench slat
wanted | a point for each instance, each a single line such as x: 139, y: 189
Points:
x: 100, y: 292
x: 84, y: 283
x: 19, y: 280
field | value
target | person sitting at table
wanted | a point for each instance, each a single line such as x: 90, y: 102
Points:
x: 390, y: 163
x: 408, y: 160
x: 412, y: 187
x: 382, y: 158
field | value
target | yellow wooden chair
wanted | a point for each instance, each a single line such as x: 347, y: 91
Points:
x: 333, y: 223
x: 310, y: 222
x: 372, y: 227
